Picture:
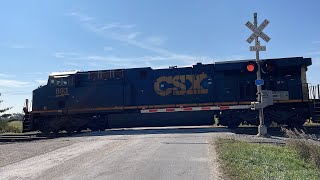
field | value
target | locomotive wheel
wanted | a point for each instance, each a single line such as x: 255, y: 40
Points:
x: 70, y: 130
x: 97, y: 124
x: 56, y: 131
x: 80, y: 129
x: 296, y: 121
x: 44, y: 126
x: 94, y: 128
x: 234, y: 123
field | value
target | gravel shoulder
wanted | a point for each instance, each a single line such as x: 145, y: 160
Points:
x: 17, y: 151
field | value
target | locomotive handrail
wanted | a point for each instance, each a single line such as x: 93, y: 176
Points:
x: 314, y: 91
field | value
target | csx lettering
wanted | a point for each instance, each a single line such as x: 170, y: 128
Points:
x: 178, y: 85
x: 61, y: 91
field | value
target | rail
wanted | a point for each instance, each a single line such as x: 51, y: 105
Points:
x: 21, y: 137
x: 32, y: 136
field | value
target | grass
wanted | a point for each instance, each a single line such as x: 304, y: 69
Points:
x: 13, y: 126
x: 17, y: 124
x: 243, y: 160
x: 304, y: 145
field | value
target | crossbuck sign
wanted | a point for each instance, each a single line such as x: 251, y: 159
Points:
x: 257, y: 32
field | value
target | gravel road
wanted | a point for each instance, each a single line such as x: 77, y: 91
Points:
x: 140, y: 153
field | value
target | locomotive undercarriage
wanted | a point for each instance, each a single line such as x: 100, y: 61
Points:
x: 284, y: 114
x: 70, y: 123
x: 293, y: 115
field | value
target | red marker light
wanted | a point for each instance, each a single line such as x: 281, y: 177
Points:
x: 251, y: 67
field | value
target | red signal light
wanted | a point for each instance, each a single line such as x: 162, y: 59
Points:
x: 251, y: 67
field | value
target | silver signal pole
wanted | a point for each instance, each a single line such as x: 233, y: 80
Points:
x: 262, y: 129
x: 257, y: 32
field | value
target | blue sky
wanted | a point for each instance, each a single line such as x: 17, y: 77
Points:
x: 40, y: 37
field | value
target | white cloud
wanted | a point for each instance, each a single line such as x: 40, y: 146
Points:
x: 108, y: 48
x: 132, y: 35
x: 41, y: 81
x: 80, y: 16
x: 116, y: 26
x: 111, y: 61
x: 6, y: 75
x: 124, y: 33
x: 16, y: 92
x: 64, y: 55
x: 155, y: 40
x: 13, y: 83
x: 14, y: 45
x: 111, y: 58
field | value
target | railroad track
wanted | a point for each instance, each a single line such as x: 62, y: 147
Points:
x: 29, y: 136
x: 20, y: 137
x: 273, y: 131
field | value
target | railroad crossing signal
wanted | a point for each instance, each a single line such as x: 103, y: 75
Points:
x: 257, y: 31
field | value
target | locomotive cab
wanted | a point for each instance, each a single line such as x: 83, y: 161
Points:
x: 54, y: 95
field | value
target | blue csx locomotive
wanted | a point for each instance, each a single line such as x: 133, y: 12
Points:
x: 97, y: 100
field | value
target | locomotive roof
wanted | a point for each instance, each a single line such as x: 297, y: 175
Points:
x: 65, y: 73
x: 236, y: 61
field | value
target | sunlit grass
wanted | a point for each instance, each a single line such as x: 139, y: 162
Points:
x: 243, y: 160
x: 13, y: 126
x: 17, y: 124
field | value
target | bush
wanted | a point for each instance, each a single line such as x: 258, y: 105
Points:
x: 304, y: 144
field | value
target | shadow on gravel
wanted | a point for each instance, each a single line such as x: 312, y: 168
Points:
x: 113, y: 132
x: 274, y: 131
x: 181, y: 143
x: 163, y: 130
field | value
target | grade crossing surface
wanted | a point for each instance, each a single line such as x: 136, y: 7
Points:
x: 157, y: 153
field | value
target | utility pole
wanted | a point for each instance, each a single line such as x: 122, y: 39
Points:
x: 257, y: 32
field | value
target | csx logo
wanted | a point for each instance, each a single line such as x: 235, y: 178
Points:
x: 177, y: 85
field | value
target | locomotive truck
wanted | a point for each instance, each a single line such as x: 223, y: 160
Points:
x: 137, y: 97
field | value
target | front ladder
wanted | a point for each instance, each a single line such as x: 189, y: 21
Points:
x: 316, y: 111
x: 26, y: 121
x: 314, y: 94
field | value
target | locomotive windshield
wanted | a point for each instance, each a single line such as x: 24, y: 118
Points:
x: 61, y: 81
x: 58, y: 79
